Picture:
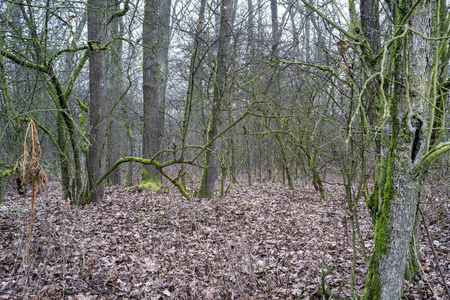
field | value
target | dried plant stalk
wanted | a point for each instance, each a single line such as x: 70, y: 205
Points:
x: 30, y: 170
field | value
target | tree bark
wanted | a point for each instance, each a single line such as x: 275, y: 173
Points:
x: 116, y: 131
x: 274, y: 14
x: 63, y: 156
x: 210, y: 171
x: 151, y: 137
x: 250, y: 27
x: 404, y: 135
x: 164, y: 34
x: 97, y: 96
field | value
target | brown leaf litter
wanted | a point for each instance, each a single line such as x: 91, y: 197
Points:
x: 259, y: 242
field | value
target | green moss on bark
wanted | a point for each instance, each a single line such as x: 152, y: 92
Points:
x: 203, y: 192
x: 150, y: 181
x: 373, y: 284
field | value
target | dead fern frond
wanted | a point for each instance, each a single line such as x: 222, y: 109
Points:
x: 28, y: 165
x: 30, y: 170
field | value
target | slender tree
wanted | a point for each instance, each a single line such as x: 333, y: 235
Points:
x: 194, y: 70
x: 210, y: 171
x: 164, y: 36
x: 116, y: 115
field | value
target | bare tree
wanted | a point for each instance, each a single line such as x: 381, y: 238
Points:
x: 210, y: 171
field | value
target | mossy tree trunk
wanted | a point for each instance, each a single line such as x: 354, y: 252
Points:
x: 403, y: 143
x: 63, y: 157
x: 211, y: 164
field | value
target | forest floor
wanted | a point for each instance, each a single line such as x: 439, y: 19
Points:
x: 259, y: 242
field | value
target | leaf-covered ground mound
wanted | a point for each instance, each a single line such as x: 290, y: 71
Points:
x: 258, y: 242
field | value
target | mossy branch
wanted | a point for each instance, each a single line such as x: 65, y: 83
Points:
x: 145, y: 162
x: 75, y: 72
x: 160, y: 166
x: 445, y: 85
x: 120, y: 13
x: 23, y: 62
x: 425, y: 163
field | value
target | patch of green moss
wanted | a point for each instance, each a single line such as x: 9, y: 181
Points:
x: 81, y: 118
x: 82, y: 106
x: 373, y: 285
x: 5, y: 173
x: 150, y: 181
x: 203, y: 195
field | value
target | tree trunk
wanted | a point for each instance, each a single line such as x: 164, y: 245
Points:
x: 404, y: 135
x: 116, y: 131
x: 260, y: 27
x: 98, y: 101
x: 194, y: 78
x: 129, y: 174
x: 63, y: 156
x: 370, y: 24
x: 295, y: 31
x: 274, y: 14
x: 210, y: 171
x: 307, y: 51
x: 151, y: 138
x: 164, y: 33
x: 250, y: 27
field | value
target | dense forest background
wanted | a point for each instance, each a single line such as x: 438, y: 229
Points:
x: 203, y: 96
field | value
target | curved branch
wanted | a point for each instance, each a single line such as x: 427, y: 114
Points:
x: 428, y: 158
x: 120, y: 13
x: 144, y: 162
x: 24, y: 63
